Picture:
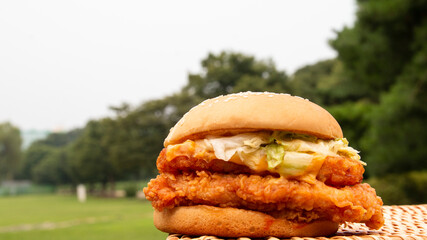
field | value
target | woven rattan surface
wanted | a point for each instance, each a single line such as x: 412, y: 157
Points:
x: 401, y: 222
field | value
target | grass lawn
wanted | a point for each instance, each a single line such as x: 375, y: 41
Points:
x: 63, y: 217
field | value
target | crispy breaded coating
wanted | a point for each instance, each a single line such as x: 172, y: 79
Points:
x: 339, y: 171
x: 357, y: 203
x: 335, y: 171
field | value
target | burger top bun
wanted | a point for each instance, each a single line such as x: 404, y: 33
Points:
x: 253, y: 111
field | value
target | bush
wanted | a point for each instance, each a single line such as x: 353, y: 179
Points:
x: 28, y: 189
x: 131, y: 189
x: 416, y: 186
x: 407, y: 188
x: 390, y: 189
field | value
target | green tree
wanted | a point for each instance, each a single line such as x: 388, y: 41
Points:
x: 398, y: 129
x: 89, y: 160
x: 61, y: 139
x: 10, y: 150
x: 34, y: 155
x: 326, y: 83
x: 230, y: 72
x: 46, y: 161
x: 53, y: 169
x: 381, y: 43
x: 386, y: 51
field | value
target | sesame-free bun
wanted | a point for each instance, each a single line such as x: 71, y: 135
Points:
x: 251, y: 111
x: 232, y: 222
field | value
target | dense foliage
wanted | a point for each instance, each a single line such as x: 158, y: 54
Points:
x: 10, y: 150
x: 47, y: 160
x: 385, y: 53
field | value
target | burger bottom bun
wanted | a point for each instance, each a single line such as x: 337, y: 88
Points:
x: 232, y: 222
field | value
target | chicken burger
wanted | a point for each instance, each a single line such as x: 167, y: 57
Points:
x: 258, y: 165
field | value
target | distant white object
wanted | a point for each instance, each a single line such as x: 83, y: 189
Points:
x: 120, y: 193
x: 140, y: 195
x: 81, y: 193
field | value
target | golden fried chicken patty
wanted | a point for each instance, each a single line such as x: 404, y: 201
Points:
x: 357, y: 203
x: 335, y: 171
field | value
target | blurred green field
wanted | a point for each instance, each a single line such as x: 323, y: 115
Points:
x: 63, y: 217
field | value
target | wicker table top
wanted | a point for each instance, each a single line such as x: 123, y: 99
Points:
x: 401, y: 222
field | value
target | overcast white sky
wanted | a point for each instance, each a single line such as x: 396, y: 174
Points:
x: 64, y: 62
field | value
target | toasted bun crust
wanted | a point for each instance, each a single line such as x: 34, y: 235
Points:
x: 254, y: 111
x: 232, y: 222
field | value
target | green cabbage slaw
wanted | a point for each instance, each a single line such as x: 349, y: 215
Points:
x: 288, y: 154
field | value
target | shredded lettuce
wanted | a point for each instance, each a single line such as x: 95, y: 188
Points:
x: 282, y: 152
x: 226, y: 147
x: 295, y: 163
x: 275, y: 154
x: 287, y: 163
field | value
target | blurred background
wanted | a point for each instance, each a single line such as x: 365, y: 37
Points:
x: 90, y: 89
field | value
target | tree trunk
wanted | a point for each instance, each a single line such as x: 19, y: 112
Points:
x: 112, y: 186
x: 104, y: 188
